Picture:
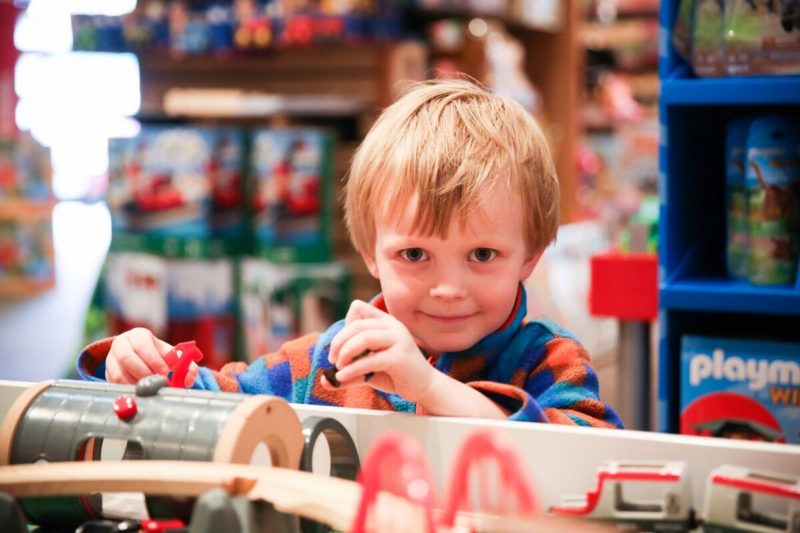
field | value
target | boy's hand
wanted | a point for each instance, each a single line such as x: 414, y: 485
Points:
x: 393, y: 362
x: 136, y: 354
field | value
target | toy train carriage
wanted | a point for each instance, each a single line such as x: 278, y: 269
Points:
x: 741, y: 499
x: 612, y: 499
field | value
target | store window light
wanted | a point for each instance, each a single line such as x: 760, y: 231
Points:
x: 73, y: 102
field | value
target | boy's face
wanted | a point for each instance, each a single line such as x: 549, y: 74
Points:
x: 452, y: 292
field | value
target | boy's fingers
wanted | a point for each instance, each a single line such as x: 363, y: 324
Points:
x: 359, y: 309
x: 132, y: 363
x: 191, y: 376
x: 326, y: 384
x: 162, y: 346
x: 362, y: 344
x: 357, y: 371
x: 351, y: 330
x: 116, y: 374
x: 146, y: 346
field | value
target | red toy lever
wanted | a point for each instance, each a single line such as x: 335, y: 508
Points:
x: 178, y: 360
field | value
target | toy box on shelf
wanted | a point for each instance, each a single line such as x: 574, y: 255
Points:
x: 177, y: 299
x: 178, y: 180
x: 282, y: 302
x: 291, y: 171
x: 738, y: 37
x: 26, y: 249
x: 740, y: 389
x: 26, y: 205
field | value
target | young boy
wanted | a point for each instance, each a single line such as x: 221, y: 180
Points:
x: 451, y: 199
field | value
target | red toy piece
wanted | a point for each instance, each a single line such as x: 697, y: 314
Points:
x: 396, y: 463
x: 125, y: 407
x: 477, y: 448
x: 161, y: 526
x: 179, y: 358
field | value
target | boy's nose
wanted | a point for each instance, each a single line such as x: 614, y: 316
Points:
x: 448, y: 290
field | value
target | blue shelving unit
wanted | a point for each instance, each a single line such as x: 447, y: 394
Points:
x: 695, y: 295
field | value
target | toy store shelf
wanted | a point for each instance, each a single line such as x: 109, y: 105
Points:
x: 314, y: 70
x: 732, y: 91
x: 18, y: 287
x: 177, y: 247
x: 536, y: 16
x: 719, y: 294
x: 234, y: 103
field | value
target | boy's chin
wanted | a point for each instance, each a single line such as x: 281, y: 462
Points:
x: 440, y: 345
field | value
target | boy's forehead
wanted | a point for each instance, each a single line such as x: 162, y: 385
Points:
x: 496, y: 208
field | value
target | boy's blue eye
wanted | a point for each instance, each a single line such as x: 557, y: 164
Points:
x: 413, y: 254
x: 483, y: 255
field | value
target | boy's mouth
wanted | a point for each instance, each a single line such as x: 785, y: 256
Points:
x: 449, y: 318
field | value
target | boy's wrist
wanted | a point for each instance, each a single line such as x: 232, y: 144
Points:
x: 446, y: 396
x: 428, y: 398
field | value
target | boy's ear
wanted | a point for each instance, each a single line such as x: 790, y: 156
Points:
x: 529, y: 265
x: 372, y: 265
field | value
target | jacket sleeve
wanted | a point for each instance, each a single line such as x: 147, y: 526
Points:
x: 274, y: 374
x: 561, y: 388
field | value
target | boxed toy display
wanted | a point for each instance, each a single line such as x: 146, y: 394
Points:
x: 225, y: 27
x: 742, y: 389
x: 291, y: 172
x: 25, y: 169
x: 179, y: 181
x: 26, y: 205
x: 736, y: 197
x: 178, y: 300
x: 707, y: 45
x: 282, y: 302
x: 773, y: 199
x: 762, y: 37
x: 26, y: 249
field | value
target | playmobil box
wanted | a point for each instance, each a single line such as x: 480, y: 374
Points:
x: 178, y: 181
x: 282, y: 302
x: 178, y: 300
x: 743, y: 389
x: 291, y: 172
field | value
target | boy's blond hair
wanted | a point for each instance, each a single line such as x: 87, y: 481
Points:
x: 447, y: 144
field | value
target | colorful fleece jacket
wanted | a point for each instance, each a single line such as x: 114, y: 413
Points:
x: 534, y: 370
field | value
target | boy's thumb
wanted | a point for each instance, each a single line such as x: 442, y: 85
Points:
x: 191, y: 375
x: 360, y: 309
x: 163, y: 346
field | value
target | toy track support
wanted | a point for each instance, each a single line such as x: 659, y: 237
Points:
x: 15, y: 415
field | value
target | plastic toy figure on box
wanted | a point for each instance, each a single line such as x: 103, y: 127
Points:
x: 224, y: 169
x: 253, y: 28
x: 732, y: 428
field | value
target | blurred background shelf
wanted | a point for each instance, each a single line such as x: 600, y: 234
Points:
x: 731, y: 91
x: 727, y: 295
